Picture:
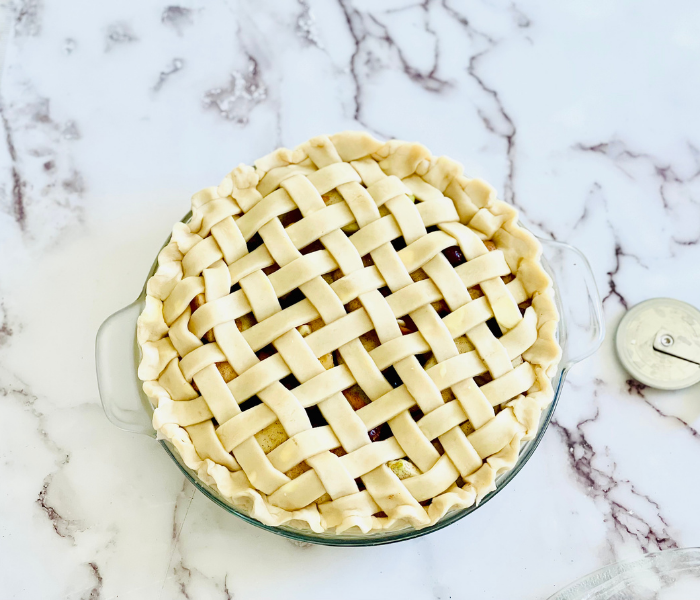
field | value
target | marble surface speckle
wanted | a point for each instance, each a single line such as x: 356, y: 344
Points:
x: 582, y: 114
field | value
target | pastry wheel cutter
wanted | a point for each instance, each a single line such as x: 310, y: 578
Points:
x: 658, y: 342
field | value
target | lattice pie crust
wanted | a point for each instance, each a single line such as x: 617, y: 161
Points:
x: 350, y: 334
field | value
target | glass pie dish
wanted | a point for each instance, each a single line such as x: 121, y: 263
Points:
x: 580, y: 332
x: 667, y: 575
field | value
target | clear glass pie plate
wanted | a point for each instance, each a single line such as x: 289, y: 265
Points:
x: 580, y: 333
x: 668, y: 575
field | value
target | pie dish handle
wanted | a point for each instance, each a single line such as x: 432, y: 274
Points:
x: 582, y: 326
x: 116, y: 360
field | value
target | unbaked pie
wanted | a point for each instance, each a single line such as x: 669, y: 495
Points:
x: 350, y: 334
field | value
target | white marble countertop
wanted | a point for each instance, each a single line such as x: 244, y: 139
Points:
x: 582, y: 114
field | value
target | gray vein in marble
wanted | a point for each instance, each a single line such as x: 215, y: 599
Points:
x: 229, y: 593
x: 521, y: 19
x: 593, y: 193
x: 619, y: 153
x: 595, y: 196
x: 71, y: 131
x: 183, y: 575
x: 636, y: 388
x: 65, y: 528
x: 28, y: 17
x: 177, y: 526
x: 612, y: 284
x: 351, y: 17
x: 74, y: 184
x: 177, y: 64
x: 428, y: 81
x: 278, y: 126
x: 118, y: 34
x: 96, y: 591
x: 39, y: 110
x: 620, y: 253
x: 306, y: 27
x: 366, y: 30
x: 69, y: 46
x: 18, y: 210
x: 500, y: 123
x: 235, y: 102
x: 541, y: 225
x: 600, y: 487
x: 28, y: 401
x: 506, y: 130
x: 177, y: 17
x: 39, y: 184
x: 6, y: 330
x: 472, y: 32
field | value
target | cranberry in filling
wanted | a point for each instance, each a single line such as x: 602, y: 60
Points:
x: 454, y: 255
x: 375, y: 434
